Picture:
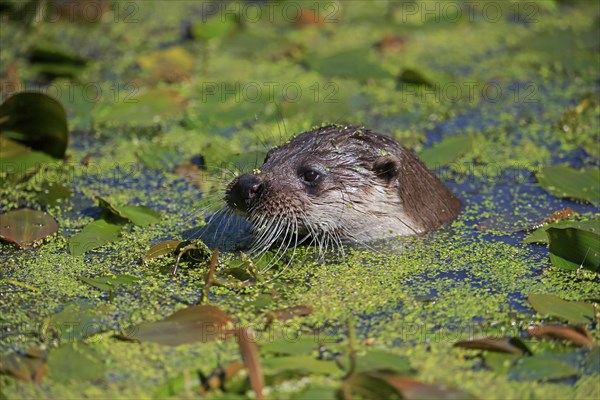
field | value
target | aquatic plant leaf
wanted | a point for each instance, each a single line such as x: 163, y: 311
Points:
x: 163, y: 248
x: 369, y: 385
x: 577, y: 335
x: 501, y: 363
x: 572, y: 248
x: 541, y: 367
x: 317, y: 392
x: 376, y: 360
x: 304, y: 344
x: 53, y: 63
x: 251, y: 358
x: 11, y: 148
x: 76, y: 322
x: 141, y: 109
x: 92, y: 236
x: 350, y: 64
x: 139, y: 215
x: 562, y: 181
x: 414, y: 77
x: 24, y: 227
x: 540, y: 235
x: 74, y: 363
x: 576, y: 312
x: 411, y: 389
x: 502, y: 345
x: 446, y: 151
x: 591, y: 363
x: 109, y: 283
x: 300, y: 364
x: 173, y: 64
x: 20, y: 167
x: 200, y: 323
x: 36, y: 120
x: 26, y: 367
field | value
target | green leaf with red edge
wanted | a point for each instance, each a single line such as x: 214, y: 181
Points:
x: 24, y: 227
x: 200, y: 323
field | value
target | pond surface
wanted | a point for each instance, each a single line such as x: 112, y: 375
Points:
x: 164, y: 85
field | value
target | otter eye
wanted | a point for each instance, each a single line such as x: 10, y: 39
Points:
x: 310, y: 176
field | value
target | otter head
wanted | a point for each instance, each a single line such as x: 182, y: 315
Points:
x: 340, y: 184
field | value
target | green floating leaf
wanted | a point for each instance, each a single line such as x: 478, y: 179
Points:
x: 201, y: 323
x: 576, y: 312
x: 317, y: 392
x: 10, y: 148
x: 369, y: 385
x: 300, y: 364
x: 76, y: 322
x: 24, y: 227
x: 139, y: 215
x: 140, y: 109
x: 52, y: 193
x: 75, y: 363
x: 37, y: 120
x: 92, y: 236
x: 414, y: 77
x: 446, y: 151
x: 53, y: 63
x: 165, y: 247
x: 562, y: 181
x: 540, y: 235
x: 18, y: 168
x: 542, y: 367
x: 501, y: 363
x: 572, y: 248
x: 352, y: 64
x: 381, y: 360
x: 109, y: 283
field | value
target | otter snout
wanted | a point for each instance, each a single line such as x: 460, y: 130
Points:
x: 243, y: 192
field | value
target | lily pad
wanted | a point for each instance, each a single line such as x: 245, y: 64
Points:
x: 20, y: 167
x: 24, y: 227
x: 92, y: 236
x: 562, y: 181
x: 139, y: 215
x: 542, y: 367
x: 576, y: 312
x: 446, y: 151
x: 540, y: 235
x: 350, y: 64
x: 75, y: 363
x: 201, y: 323
x: 53, y: 63
x: 76, y: 322
x: 381, y: 360
x: 572, y: 248
x: 412, y: 389
x: 36, y: 120
x: 163, y: 248
x: 109, y: 283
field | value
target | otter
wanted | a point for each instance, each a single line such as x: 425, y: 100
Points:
x: 340, y: 184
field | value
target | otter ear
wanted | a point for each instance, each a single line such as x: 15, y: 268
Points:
x: 386, y: 168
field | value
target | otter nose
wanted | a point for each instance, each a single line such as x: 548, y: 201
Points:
x: 245, y: 189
